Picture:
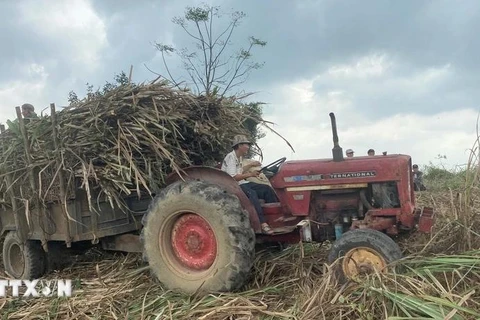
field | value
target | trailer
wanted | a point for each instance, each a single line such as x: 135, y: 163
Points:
x: 67, y: 215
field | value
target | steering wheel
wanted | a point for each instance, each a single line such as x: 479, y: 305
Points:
x: 274, y: 166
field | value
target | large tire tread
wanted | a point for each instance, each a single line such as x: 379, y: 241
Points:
x: 234, y: 219
x: 370, y: 238
x: 34, y: 256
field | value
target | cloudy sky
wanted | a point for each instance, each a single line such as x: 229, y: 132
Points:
x: 401, y: 76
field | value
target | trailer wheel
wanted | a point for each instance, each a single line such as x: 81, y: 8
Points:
x: 23, y: 261
x: 197, y: 237
x: 361, y: 252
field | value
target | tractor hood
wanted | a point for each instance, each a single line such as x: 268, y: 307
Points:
x: 348, y: 171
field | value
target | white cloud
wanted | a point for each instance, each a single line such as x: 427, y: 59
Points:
x: 303, y: 105
x: 301, y: 115
x: 303, y: 91
x: 78, y: 39
x: 380, y: 100
x: 34, y: 70
x: 29, y: 89
x: 421, y: 136
x: 386, y: 74
x: 73, y: 24
x: 369, y: 66
x: 421, y: 81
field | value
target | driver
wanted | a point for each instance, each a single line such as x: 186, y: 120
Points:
x: 232, y: 164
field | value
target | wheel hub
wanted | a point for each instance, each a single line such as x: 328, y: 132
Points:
x: 16, y: 261
x: 193, y: 242
x: 362, y: 260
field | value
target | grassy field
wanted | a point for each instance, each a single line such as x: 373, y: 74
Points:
x: 439, y: 278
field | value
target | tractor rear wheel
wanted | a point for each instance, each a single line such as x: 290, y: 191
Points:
x: 197, y: 237
x: 23, y: 261
x: 361, y: 252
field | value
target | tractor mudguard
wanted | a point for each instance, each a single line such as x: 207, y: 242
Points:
x: 223, y: 180
x: 426, y: 220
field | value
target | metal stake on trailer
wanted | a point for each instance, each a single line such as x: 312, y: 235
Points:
x: 33, y: 184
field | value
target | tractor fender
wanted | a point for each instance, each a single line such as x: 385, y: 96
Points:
x: 223, y: 180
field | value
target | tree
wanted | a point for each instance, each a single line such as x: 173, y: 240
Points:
x: 210, y: 65
x: 254, y: 108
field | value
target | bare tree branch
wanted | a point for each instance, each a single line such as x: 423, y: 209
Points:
x: 210, y: 66
x: 197, y: 73
x: 225, y: 43
x: 204, y: 50
x: 244, y: 55
x: 210, y: 46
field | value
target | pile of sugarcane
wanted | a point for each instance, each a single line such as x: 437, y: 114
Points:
x: 122, y: 143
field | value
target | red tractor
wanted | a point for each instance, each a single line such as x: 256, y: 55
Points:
x: 200, y: 231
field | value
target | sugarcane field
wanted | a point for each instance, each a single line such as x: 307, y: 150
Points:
x: 276, y: 160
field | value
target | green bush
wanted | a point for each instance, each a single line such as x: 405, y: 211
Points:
x: 437, y: 178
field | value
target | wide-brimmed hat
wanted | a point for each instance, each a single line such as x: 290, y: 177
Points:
x: 349, y: 151
x: 239, y: 139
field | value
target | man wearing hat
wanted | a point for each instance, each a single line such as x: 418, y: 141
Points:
x: 349, y: 153
x: 232, y: 164
x: 418, y: 179
x: 28, y: 111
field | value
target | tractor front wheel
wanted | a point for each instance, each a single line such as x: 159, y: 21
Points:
x: 197, y: 237
x: 23, y: 261
x: 362, y: 252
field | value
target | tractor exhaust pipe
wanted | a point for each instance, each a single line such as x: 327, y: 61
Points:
x: 337, y: 151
